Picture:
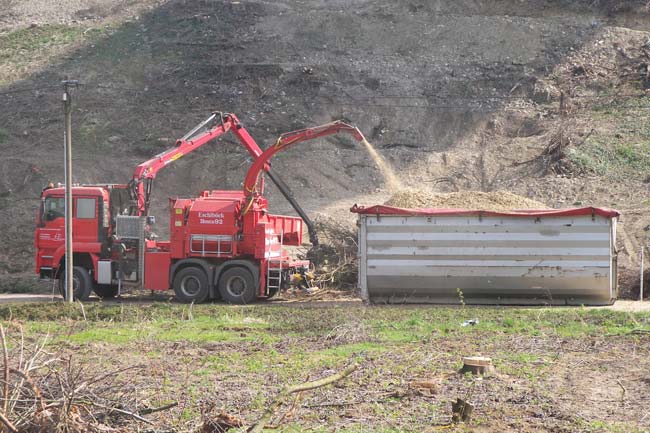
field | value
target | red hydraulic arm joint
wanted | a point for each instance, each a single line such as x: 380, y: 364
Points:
x: 286, y: 140
x: 144, y: 173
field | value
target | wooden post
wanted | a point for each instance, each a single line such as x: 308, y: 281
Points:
x: 641, y: 278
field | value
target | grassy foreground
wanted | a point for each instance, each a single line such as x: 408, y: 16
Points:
x: 561, y: 369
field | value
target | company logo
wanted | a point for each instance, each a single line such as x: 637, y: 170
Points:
x: 214, y: 218
x: 210, y: 214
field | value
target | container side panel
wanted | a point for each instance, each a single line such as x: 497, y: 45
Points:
x: 544, y: 258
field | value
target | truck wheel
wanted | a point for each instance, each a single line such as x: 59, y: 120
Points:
x: 191, y: 285
x: 105, y: 291
x: 81, y: 284
x: 237, y: 286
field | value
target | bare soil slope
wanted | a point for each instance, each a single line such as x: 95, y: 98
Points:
x: 544, y: 99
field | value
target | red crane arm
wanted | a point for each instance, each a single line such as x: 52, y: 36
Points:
x: 288, y: 139
x: 197, y: 137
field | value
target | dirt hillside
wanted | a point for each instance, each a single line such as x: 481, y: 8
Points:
x: 544, y: 99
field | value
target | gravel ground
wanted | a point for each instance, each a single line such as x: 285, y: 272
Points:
x: 20, y: 13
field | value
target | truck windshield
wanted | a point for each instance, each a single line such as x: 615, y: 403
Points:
x: 53, y: 208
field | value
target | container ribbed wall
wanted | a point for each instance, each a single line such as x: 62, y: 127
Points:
x: 493, y: 259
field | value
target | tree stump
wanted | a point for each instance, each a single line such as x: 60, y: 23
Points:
x: 477, y: 365
x: 461, y: 410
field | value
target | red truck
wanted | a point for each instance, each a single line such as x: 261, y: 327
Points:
x: 223, y: 244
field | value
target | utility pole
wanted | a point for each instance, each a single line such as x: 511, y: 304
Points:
x: 641, y: 277
x: 67, y: 137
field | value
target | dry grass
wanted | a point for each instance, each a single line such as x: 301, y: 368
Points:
x: 46, y: 392
x: 556, y: 369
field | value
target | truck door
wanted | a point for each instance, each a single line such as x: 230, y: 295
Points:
x: 51, y: 228
x: 85, y: 223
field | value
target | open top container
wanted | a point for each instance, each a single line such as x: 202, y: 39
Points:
x: 482, y: 257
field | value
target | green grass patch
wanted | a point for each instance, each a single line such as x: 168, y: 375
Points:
x: 25, y: 41
x: 610, y: 427
x: 266, y: 324
x: 112, y: 334
x: 566, y: 322
x: 621, y: 148
x: 202, y: 329
x: 24, y: 49
x: 613, y: 157
x: 531, y: 366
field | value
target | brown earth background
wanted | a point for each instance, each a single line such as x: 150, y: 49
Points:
x: 544, y: 99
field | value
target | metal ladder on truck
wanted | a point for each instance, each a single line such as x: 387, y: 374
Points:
x: 274, y: 268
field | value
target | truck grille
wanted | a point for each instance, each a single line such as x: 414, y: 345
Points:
x: 129, y: 227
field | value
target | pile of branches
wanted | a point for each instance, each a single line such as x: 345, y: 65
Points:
x: 42, y: 392
x: 335, y: 259
x: 553, y: 158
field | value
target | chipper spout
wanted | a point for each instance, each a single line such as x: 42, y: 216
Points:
x: 289, y: 139
x: 284, y: 141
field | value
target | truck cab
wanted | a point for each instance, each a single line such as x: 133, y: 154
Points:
x: 92, y: 227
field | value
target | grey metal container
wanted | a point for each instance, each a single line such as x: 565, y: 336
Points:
x: 528, y: 257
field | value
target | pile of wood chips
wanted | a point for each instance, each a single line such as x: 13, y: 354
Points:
x: 471, y: 200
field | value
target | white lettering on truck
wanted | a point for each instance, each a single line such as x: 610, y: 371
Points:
x: 211, y: 218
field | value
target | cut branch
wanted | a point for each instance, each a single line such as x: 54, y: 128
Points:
x: 121, y: 411
x: 307, y: 386
x: 157, y: 409
x: 5, y: 355
x: 12, y: 428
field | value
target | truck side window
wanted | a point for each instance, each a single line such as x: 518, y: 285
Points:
x: 86, y: 208
x: 54, y: 207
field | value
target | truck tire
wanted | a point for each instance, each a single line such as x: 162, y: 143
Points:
x: 82, y: 284
x: 191, y: 285
x: 105, y: 291
x: 237, y: 286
